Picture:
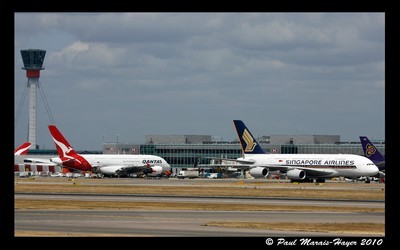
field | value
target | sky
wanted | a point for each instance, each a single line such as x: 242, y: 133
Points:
x: 122, y: 76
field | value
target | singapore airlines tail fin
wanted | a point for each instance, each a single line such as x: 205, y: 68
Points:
x: 23, y: 149
x: 372, y: 153
x: 247, y: 141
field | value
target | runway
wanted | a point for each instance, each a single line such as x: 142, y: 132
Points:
x: 204, y: 199
x: 188, y: 222
x: 176, y: 223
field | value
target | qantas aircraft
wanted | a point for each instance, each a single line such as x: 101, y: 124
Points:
x: 23, y: 149
x: 298, y: 167
x: 106, y: 164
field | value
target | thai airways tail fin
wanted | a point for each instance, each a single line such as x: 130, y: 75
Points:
x: 23, y: 149
x: 371, y: 152
x: 247, y: 141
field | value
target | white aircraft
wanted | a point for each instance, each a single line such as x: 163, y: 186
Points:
x: 106, y: 164
x: 298, y: 167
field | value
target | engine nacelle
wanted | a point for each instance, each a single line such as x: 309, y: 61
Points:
x: 296, y: 174
x: 259, y: 172
x: 107, y: 170
x: 153, y: 171
x: 380, y: 175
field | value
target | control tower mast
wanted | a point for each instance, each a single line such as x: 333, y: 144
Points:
x: 33, y: 62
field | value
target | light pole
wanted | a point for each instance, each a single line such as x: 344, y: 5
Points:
x: 117, y: 137
x: 116, y: 144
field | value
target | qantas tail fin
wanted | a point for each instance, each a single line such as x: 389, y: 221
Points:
x: 371, y: 152
x: 247, y: 141
x: 68, y: 156
x: 23, y: 149
x: 64, y: 149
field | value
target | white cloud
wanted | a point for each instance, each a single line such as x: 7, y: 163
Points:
x: 280, y: 69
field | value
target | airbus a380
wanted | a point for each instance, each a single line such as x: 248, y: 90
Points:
x: 298, y: 167
x: 106, y: 164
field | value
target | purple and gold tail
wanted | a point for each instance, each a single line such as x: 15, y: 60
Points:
x: 372, y: 153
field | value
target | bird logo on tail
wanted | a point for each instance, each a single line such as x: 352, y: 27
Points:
x: 248, y: 139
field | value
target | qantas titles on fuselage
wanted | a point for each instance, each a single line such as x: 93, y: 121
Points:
x: 152, y: 161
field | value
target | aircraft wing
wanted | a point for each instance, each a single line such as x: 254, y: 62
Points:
x: 117, y: 169
x: 317, y: 173
x: 241, y: 161
x: 37, y: 160
x: 222, y: 165
x: 309, y: 171
x: 238, y: 166
x: 234, y: 163
x: 130, y: 169
x: 127, y: 169
x: 40, y: 164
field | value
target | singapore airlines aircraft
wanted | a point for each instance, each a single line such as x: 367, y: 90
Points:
x: 106, y: 164
x: 298, y: 167
x: 23, y: 149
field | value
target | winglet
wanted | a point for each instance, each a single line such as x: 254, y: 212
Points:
x: 247, y: 141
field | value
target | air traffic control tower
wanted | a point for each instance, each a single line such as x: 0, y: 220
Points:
x: 33, y: 62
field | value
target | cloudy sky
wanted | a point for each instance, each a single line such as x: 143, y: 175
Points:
x: 127, y: 75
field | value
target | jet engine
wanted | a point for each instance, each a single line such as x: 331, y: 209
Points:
x: 296, y: 174
x: 108, y: 170
x: 153, y: 171
x: 259, y: 172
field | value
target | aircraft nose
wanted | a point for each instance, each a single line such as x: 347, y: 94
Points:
x: 374, y: 169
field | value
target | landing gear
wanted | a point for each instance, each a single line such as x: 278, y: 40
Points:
x: 320, y: 180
